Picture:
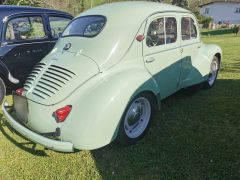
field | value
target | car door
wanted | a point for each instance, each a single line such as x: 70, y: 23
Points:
x: 190, y: 44
x: 161, y: 51
x: 57, y: 24
x: 26, y: 42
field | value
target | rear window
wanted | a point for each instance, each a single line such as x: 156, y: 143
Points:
x: 86, y: 26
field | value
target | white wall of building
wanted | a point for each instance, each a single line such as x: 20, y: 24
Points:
x: 222, y: 11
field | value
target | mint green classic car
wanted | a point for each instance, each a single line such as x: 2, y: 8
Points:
x: 108, y: 73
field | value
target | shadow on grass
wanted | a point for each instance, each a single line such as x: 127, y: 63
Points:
x: 192, y: 137
x: 32, y: 150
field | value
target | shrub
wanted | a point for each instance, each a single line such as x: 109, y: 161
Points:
x: 205, y: 21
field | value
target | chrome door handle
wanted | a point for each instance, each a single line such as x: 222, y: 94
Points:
x: 151, y: 59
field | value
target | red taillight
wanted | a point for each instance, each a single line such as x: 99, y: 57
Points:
x: 140, y: 37
x: 62, y: 113
x: 20, y: 91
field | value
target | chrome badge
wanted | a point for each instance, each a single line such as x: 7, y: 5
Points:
x: 67, y: 46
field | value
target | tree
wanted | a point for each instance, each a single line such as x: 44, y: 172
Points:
x: 72, y: 6
x: 205, y: 21
x: 193, y: 6
x: 23, y: 2
x: 156, y: 0
x: 181, y: 3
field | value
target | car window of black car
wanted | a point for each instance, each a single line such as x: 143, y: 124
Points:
x: 25, y: 28
x: 0, y: 31
x: 57, y: 25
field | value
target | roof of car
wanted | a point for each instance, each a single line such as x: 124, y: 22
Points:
x: 124, y: 20
x: 6, y: 10
x: 138, y: 9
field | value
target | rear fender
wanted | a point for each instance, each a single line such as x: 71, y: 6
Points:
x: 209, y: 51
x: 99, y: 105
x: 4, y: 73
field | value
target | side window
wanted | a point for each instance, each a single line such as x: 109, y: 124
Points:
x: 188, y: 28
x: 206, y: 11
x: 155, y: 34
x: 185, y: 27
x: 25, y: 28
x: 237, y: 10
x: 171, y: 30
x: 58, y: 25
x: 193, y: 30
x: 162, y: 31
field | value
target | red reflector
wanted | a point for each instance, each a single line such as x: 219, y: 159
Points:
x: 62, y: 113
x: 140, y: 37
x: 20, y: 91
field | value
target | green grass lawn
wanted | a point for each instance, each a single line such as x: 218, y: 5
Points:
x: 192, y: 137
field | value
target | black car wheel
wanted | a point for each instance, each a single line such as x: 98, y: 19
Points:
x: 213, y: 73
x: 136, y: 119
x: 2, y: 90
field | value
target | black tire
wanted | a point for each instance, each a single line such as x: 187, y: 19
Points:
x: 122, y: 137
x: 210, y: 83
x: 2, y: 90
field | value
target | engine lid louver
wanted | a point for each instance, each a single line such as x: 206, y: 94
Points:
x: 57, y: 76
x: 44, y: 82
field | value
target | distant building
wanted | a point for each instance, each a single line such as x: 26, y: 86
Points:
x: 222, y: 11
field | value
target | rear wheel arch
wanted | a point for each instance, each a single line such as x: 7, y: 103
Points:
x: 2, y: 89
x: 156, y: 101
x: 155, y: 97
x: 150, y: 87
x: 4, y: 73
x: 4, y: 78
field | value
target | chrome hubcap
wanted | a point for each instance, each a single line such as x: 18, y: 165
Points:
x: 137, y: 117
x: 213, y: 72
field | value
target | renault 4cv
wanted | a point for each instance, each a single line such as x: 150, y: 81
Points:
x: 108, y: 73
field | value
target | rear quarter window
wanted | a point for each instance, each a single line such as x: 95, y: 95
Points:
x: 188, y: 28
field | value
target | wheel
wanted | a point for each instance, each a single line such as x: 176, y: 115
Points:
x: 213, y: 73
x: 2, y: 90
x: 136, y: 119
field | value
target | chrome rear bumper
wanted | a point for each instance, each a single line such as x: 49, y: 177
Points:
x: 56, y: 145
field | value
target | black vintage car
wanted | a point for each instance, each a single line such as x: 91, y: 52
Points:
x: 27, y: 34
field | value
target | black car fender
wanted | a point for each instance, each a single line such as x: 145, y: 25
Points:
x: 5, y: 74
